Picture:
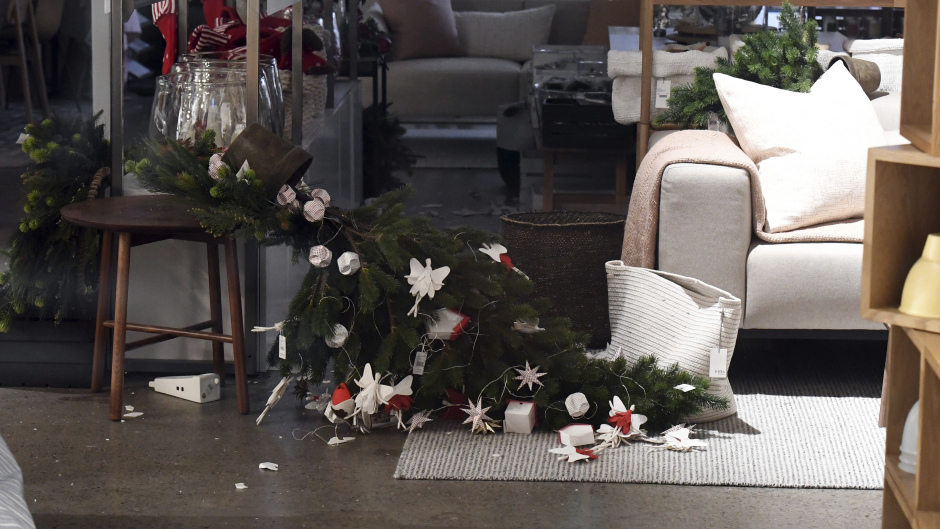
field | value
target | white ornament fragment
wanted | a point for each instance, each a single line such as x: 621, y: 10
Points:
x: 685, y: 387
x: 570, y: 454
x: 348, y: 263
x: 241, y: 486
x: 425, y: 281
x: 448, y: 326
x: 286, y: 195
x: 320, y: 256
x: 577, y: 405
x: 494, y: 251
x: 519, y: 417
x: 340, y: 335
x: 132, y: 415
x: 337, y: 441
x: 128, y: 408
x: 678, y: 439
x: 576, y: 435
x: 268, y: 466
x: 242, y: 170
x: 527, y: 327
x: 275, y: 397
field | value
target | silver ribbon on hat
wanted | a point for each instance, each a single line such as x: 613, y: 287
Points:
x: 320, y: 256
x: 577, y: 405
x: 348, y: 263
x: 340, y: 334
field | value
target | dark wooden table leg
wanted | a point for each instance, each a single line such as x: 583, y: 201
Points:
x: 548, y: 182
x: 238, y: 330
x: 104, y: 307
x: 215, y: 308
x: 120, y: 326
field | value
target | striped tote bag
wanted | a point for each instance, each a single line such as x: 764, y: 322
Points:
x: 678, y: 319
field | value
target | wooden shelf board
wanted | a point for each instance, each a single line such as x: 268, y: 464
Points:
x: 902, y: 484
x: 905, y: 154
x: 892, y: 316
x: 919, y: 135
x: 928, y: 344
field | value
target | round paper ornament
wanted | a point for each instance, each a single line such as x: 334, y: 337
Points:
x: 340, y: 334
x: 348, y: 263
x: 577, y: 405
x: 314, y: 210
x: 322, y: 195
x: 320, y: 256
x: 286, y: 195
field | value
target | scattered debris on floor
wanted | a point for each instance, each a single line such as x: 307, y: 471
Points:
x: 241, y: 486
x: 268, y: 466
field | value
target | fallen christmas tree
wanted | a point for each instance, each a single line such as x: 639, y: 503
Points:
x: 405, y: 298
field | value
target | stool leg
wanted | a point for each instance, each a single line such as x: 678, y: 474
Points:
x: 238, y: 331
x: 120, y: 326
x: 215, y: 308
x: 104, y: 306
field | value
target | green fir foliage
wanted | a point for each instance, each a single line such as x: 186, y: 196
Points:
x: 53, y: 265
x: 785, y: 59
x: 373, y: 303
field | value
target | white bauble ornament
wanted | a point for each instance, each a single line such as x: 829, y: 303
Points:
x: 320, y: 256
x: 340, y: 334
x: 577, y: 405
x: 348, y: 263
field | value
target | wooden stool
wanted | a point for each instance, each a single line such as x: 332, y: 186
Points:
x: 139, y: 220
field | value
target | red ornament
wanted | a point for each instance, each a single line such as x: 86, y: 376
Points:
x: 459, y: 401
x: 507, y: 262
x: 399, y: 402
x: 586, y: 452
x: 622, y: 420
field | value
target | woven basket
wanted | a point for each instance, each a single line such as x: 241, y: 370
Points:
x: 564, y: 253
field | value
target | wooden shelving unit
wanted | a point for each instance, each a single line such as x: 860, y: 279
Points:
x: 920, y: 97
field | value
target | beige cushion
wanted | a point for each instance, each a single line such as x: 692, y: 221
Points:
x: 606, y: 13
x: 569, y: 22
x: 504, y: 35
x: 810, y: 285
x: 421, y: 28
x: 810, y: 148
x: 439, y: 87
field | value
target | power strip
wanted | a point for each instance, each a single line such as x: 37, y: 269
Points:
x: 196, y: 388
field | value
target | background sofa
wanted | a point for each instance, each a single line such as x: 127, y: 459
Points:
x: 471, y: 88
x: 706, y: 232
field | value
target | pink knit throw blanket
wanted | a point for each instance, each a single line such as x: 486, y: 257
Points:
x: 713, y: 148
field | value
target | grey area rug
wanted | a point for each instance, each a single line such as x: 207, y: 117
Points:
x: 790, y: 439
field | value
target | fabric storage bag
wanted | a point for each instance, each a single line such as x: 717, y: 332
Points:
x: 676, y: 318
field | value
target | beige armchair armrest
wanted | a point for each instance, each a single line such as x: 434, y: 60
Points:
x: 705, y: 224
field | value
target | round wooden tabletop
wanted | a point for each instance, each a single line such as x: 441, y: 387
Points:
x: 161, y: 214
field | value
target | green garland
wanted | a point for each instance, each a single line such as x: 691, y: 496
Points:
x: 53, y: 265
x: 373, y: 303
x: 784, y: 60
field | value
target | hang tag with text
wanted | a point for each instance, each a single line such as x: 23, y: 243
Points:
x: 719, y: 363
x: 421, y: 358
x: 663, y: 89
x: 281, y: 346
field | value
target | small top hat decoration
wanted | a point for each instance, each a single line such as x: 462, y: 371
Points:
x: 275, y: 160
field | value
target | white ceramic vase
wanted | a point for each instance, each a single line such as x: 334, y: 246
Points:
x: 909, y: 440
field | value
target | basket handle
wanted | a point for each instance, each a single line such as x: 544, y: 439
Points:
x: 100, y: 177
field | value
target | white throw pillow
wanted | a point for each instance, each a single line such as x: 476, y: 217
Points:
x: 811, y: 149
x: 509, y: 35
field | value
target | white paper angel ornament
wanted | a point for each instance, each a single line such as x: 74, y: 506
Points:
x: 678, y: 439
x: 425, y: 281
x: 498, y: 253
x: 572, y: 454
x: 370, y: 395
x: 275, y: 397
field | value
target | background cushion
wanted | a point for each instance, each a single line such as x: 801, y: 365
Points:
x: 811, y: 149
x: 421, y: 28
x: 569, y: 22
x: 605, y: 13
x: 509, y: 35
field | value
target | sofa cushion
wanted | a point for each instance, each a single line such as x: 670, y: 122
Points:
x: 504, y: 35
x: 447, y: 87
x: 811, y: 285
x: 808, y: 174
x: 570, y: 20
x: 489, y: 6
x: 421, y: 28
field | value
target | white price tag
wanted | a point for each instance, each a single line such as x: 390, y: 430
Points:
x: 421, y: 357
x: 281, y: 347
x: 663, y: 89
x: 719, y: 363
x: 22, y: 139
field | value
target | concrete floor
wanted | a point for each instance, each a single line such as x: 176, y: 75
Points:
x: 178, y: 464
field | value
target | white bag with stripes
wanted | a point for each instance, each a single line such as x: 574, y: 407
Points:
x: 678, y: 319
